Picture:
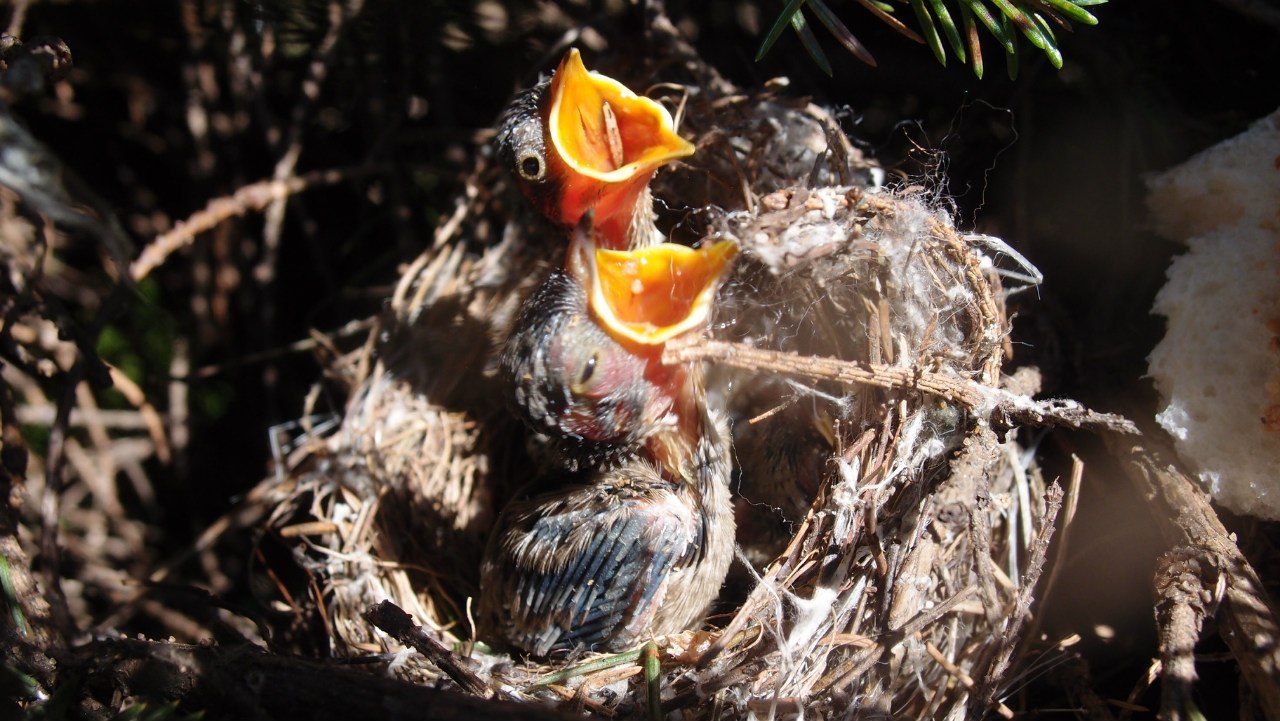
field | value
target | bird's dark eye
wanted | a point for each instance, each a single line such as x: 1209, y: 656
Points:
x: 531, y: 167
x: 583, y: 383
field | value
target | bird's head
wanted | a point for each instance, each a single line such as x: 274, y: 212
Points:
x: 584, y: 141
x: 585, y: 357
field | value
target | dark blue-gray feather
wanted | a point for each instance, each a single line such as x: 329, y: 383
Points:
x: 589, y: 594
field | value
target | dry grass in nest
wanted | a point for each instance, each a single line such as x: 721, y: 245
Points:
x: 897, y: 540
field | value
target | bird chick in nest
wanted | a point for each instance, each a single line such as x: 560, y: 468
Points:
x: 582, y: 141
x: 633, y: 537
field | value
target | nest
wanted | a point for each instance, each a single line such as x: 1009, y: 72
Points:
x: 889, y: 540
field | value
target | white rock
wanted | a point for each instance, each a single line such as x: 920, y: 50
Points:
x: 1218, y: 367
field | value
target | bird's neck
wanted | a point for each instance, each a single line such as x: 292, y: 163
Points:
x: 692, y: 451
x: 709, y: 491
x: 642, y: 231
x: 631, y: 226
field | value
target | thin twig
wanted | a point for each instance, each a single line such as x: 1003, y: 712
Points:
x: 253, y: 197
x: 1246, y: 617
x: 50, y: 502
x: 86, y: 367
x: 44, y: 415
x: 1258, y: 10
x: 1026, y: 593
x: 1063, y: 543
x: 1189, y: 584
x: 598, y: 664
x: 17, y: 18
x: 853, y: 670
x: 355, y: 327
x: 266, y: 270
x: 959, y: 675
x: 317, y: 72
x: 400, y: 626
x: 974, y: 396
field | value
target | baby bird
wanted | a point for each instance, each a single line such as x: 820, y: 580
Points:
x: 582, y: 141
x: 634, y: 539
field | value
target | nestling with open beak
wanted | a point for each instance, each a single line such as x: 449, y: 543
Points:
x: 582, y: 141
x: 634, y: 537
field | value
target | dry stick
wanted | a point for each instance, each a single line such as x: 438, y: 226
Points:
x: 179, y: 407
x: 247, y: 514
x: 1189, y: 585
x: 852, y: 669
x: 318, y: 71
x: 150, y: 416
x: 1247, y: 619
x: 253, y: 197
x: 265, y: 272
x: 1026, y: 593
x: 1130, y: 704
x: 974, y: 396
x: 303, y: 345
x: 17, y: 18
x: 757, y: 598
x: 55, y: 458
x: 27, y: 628
x: 243, y: 682
x: 51, y: 501
x: 1061, y: 547
x: 46, y: 415
x: 580, y: 702
x: 972, y: 465
x: 959, y: 675
x: 399, y: 625
x: 1260, y: 10
x: 197, y: 100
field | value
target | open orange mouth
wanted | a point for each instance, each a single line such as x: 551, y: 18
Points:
x: 610, y: 140
x: 650, y: 295
x: 604, y: 131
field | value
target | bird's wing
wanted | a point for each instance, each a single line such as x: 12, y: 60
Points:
x: 589, y: 567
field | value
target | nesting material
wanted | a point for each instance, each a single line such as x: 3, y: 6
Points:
x: 1218, y: 366
x: 397, y: 503
x: 893, y: 540
x: 889, y: 542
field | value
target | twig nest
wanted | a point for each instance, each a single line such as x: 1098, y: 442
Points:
x: 868, y: 276
x: 895, y: 537
x: 752, y: 145
x: 892, y: 539
x: 397, y: 503
x: 842, y: 272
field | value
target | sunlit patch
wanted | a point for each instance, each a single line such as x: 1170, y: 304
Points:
x: 651, y: 295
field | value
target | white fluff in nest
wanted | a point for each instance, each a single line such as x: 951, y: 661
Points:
x: 1218, y: 367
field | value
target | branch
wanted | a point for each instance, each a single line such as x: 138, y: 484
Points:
x: 317, y: 72
x: 981, y: 399
x: 1247, y: 618
x: 393, y: 621
x: 253, y: 197
x: 244, y: 682
x: 1188, y: 589
x: 986, y: 692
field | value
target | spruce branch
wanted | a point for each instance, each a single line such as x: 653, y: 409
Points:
x: 1004, y: 20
